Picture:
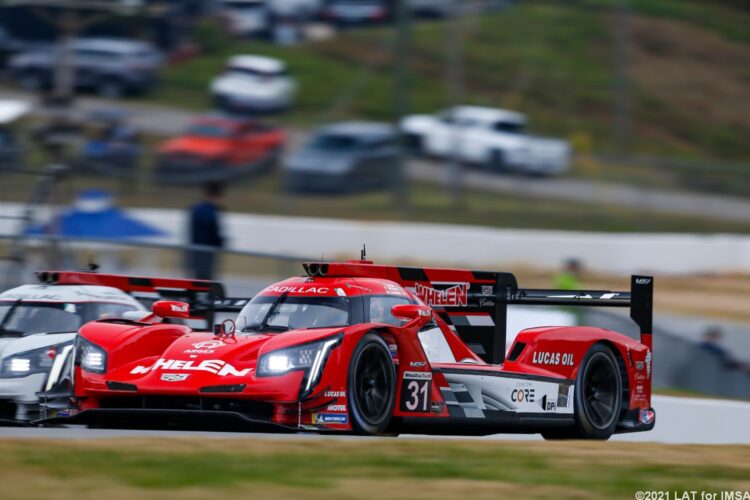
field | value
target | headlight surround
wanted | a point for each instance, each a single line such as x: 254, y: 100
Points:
x: 309, y: 357
x: 89, y: 356
x: 31, y: 362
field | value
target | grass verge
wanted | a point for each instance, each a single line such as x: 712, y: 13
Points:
x: 381, y: 468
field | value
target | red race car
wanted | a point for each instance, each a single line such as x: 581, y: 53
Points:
x: 370, y: 349
x: 219, y: 148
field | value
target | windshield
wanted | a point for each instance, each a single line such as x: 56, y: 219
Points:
x: 209, y: 130
x: 335, y: 142
x: 237, y: 70
x: 280, y: 313
x: 18, y: 319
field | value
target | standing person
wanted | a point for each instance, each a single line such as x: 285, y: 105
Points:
x: 205, y: 229
x: 570, y: 277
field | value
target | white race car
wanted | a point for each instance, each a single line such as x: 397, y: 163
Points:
x: 39, y: 323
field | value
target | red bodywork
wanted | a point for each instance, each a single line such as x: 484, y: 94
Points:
x: 156, y: 367
x: 224, y: 141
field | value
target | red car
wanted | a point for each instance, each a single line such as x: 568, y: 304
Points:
x: 219, y: 148
x: 370, y: 349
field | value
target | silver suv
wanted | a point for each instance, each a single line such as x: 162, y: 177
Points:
x: 112, y: 67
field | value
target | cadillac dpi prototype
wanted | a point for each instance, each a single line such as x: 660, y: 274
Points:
x: 370, y: 349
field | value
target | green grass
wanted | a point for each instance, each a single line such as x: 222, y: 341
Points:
x: 379, y: 468
x: 552, y: 60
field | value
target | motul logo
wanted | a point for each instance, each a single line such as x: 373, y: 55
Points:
x: 454, y: 296
x: 215, y: 366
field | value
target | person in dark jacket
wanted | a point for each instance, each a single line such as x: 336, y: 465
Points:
x: 205, y: 229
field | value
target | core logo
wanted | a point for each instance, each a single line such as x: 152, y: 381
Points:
x: 454, y: 296
x: 215, y: 366
x: 522, y: 395
x: 553, y: 358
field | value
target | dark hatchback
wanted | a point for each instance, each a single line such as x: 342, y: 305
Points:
x: 345, y: 157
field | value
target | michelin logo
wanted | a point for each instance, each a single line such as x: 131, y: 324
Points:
x: 330, y: 418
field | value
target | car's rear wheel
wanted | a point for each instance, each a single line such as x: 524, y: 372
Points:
x: 598, y: 397
x: 33, y: 81
x: 372, y: 386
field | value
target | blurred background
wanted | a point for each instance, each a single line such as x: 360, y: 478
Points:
x: 572, y: 142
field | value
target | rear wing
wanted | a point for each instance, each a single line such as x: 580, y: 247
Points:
x: 475, y: 303
x: 204, y: 297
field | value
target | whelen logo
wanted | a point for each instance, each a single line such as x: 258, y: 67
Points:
x: 179, y: 309
x: 455, y: 296
x: 215, y: 366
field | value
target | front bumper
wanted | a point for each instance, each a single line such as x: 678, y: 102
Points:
x: 186, y: 172
x: 18, y: 397
x: 145, y: 418
x: 253, y: 103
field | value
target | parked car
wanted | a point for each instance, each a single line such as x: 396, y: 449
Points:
x: 347, y: 12
x: 304, y: 8
x: 112, y: 67
x: 436, y: 8
x: 219, y: 148
x: 342, y: 157
x: 254, y: 83
x: 246, y: 17
x: 495, y: 138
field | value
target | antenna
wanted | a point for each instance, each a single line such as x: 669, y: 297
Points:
x: 363, y: 252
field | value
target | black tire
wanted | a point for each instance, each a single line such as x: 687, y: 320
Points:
x: 372, y: 386
x: 111, y: 88
x: 497, y: 161
x: 598, y: 397
x: 33, y: 81
x: 414, y: 143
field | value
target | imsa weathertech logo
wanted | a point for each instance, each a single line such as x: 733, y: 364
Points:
x: 216, y: 366
x: 454, y: 296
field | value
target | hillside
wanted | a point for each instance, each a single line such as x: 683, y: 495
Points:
x: 688, y: 69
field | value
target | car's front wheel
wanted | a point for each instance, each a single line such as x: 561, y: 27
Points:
x: 598, y: 397
x: 111, y: 88
x: 371, y: 386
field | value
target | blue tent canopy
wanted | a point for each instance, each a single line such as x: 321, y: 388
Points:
x: 93, y: 215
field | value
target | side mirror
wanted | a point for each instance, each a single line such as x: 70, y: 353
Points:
x: 171, y: 309
x: 225, y: 329
x: 416, y: 314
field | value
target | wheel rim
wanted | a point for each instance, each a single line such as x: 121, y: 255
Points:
x: 372, y: 385
x: 600, y: 391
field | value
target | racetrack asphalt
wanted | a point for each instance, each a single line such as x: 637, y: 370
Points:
x: 678, y: 421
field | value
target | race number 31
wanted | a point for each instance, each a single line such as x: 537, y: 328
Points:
x: 415, y: 391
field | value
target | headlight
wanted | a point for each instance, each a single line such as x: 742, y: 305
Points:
x: 90, y: 357
x: 30, y: 362
x: 308, y: 357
